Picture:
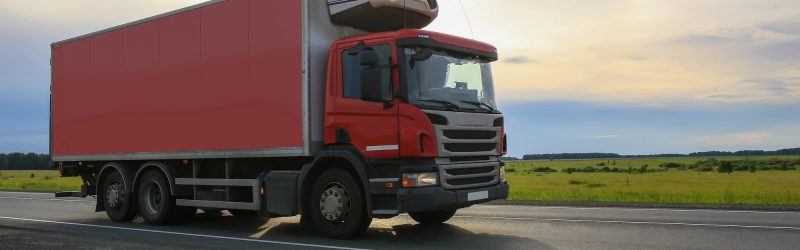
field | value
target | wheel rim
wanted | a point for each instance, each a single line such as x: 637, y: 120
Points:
x: 153, y: 199
x: 334, y: 203
x: 114, y: 195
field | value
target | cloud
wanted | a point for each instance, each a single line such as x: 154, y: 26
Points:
x: 750, y: 32
x: 519, y: 60
x: 603, y: 136
x: 24, y: 143
x: 725, y: 97
x: 636, y: 57
x: 772, y: 85
x: 732, y: 140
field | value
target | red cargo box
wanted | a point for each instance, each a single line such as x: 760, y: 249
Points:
x: 217, y: 80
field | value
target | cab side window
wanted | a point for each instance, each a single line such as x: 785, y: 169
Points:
x: 351, y: 71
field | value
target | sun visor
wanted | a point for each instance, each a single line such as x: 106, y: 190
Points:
x: 383, y: 15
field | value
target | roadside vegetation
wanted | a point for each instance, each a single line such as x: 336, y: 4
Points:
x: 37, y: 180
x: 761, y: 180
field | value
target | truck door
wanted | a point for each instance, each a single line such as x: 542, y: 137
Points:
x: 372, y: 127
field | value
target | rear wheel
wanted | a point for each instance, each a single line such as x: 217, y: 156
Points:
x: 155, y: 200
x: 433, y: 217
x: 119, y: 204
x: 337, y: 205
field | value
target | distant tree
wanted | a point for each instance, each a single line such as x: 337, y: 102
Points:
x: 3, y: 161
x: 725, y: 167
x: 752, y: 168
x: 643, y: 169
x: 600, y: 164
x: 669, y: 165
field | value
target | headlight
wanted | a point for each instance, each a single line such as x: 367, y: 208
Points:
x: 503, y: 173
x: 420, y: 179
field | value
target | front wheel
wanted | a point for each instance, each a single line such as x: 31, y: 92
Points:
x: 337, y: 205
x: 433, y: 217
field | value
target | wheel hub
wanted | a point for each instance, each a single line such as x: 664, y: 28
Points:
x: 153, y: 198
x: 114, y: 194
x: 334, y: 203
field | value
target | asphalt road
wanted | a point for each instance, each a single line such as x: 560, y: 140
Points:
x: 40, y: 221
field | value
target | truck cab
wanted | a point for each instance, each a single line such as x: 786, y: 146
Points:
x: 420, y: 107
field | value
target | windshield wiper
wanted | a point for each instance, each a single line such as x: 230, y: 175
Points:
x: 448, y: 104
x: 479, y: 104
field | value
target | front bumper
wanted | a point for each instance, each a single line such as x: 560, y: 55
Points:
x: 438, y: 198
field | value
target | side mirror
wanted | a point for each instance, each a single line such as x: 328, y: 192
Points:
x: 420, y: 56
x: 371, y: 77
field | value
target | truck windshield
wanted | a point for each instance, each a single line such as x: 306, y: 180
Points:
x: 449, y: 81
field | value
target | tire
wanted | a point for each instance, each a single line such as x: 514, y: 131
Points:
x: 156, y: 204
x: 243, y: 213
x: 119, y: 204
x: 430, y: 218
x: 345, y: 216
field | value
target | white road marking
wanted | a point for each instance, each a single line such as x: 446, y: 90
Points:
x: 654, y: 209
x: 22, y: 192
x: 572, y: 207
x: 41, y: 199
x: 630, y: 222
x: 179, y: 233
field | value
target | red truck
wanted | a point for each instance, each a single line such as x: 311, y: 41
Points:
x: 340, y: 111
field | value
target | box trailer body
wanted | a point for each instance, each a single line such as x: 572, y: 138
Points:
x: 155, y: 85
x: 341, y: 111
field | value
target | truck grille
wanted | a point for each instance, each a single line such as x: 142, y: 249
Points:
x: 460, y: 134
x: 469, y: 147
x: 470, y: 134
x: 458, y: 176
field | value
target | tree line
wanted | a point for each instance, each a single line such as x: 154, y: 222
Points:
x: 24, y: 161
x: 566, y: 156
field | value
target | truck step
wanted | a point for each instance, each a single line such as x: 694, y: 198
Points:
x: 217, y: 204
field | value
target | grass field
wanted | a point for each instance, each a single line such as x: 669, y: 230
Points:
x: 41, y: 180
x: 674, y: 186
x: 687, y: 186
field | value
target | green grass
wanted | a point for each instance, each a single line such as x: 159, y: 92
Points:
x: 675, y: 186
x: 42, y: 180
x: 652, y: 163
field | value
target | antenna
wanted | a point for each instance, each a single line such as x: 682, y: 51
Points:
x: 469, y: 23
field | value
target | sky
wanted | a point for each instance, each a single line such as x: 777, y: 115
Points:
x: 621, y: 76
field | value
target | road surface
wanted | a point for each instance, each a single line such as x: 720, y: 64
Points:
x: 40, y: 221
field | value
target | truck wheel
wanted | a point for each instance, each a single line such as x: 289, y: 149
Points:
x: 155, y: 200
x: 337, y: 205
x: 117, y: 201
x: 433, y: 217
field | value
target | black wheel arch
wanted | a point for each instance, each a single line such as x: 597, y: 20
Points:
x: 166, y: 169
x: 356, y: 164
x: 128, y: 179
